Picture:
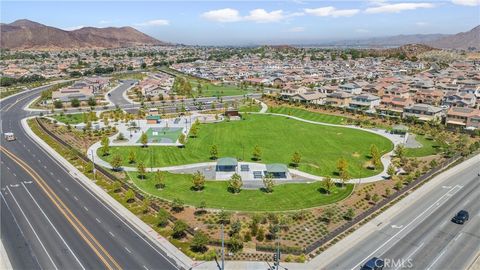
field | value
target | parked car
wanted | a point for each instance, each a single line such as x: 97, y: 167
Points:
x: 373, y: 264
x: 461, y: 217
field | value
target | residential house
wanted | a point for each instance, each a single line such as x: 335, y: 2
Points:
x: 461, y: 99
x: 312, y: 97
x: 463, y: 117
x: 339, y: 99
x: 351, y: 88
x: 393, y: 106
x: 365, y: 102
x: 423, y: 112
x: 428, y: 96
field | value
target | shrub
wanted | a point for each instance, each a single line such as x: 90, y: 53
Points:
x: 179, y: 228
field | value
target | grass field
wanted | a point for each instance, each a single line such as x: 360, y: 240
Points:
x: 215, y: 194
x: 71, y: 119
x: 164, y: 135
x: 255, y: 107
x: 429, y: 147
x: 308, y: 115
x: 212, y: 90
x: 278, y: 137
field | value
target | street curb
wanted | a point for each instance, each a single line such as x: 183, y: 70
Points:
x: 169, y: 249
x: 4, y: 260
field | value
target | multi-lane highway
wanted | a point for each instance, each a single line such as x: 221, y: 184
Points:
x: 51, y: 220
x: 422, y: 236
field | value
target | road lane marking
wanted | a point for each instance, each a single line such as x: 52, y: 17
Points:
x: 31, y: 227
x: 54, y: 228
x: 98, y: 220
x: 128, y: 250
x: 438, y: 257
x: 411, y: 254
x: 446, y: 195
x: 86, y: 209
x: 67, y: 213
x: 113, y: 235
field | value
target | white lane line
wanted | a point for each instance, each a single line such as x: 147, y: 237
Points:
x: 98, y: 220
x: 31, y: 227
x: 113, y: 235
x: 67, y: 189
x: 438, y: 257
x: 144, y: 267
x: 54, y: 228
x: 411, y: 254
x: 127, y: 250
x: 75, y: 197
x: 421, y: 215
x: 86, y: 209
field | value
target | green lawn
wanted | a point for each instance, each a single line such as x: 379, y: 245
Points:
x: 215, y: 194
x: 429, y: 147
x: 308, y: 115
x: 278, y: 137
x: 164, y: 135
x: 247, y: 107
x: 213, y: 90
x: 71, y: 119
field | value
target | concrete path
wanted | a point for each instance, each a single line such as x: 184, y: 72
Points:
x: 264, y: 106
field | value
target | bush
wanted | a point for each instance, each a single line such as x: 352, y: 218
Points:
x: 179, y: 229
x: 199, y: 242
x: 162, y: 218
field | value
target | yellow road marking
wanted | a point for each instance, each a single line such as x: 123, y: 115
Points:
x: 72, y: 219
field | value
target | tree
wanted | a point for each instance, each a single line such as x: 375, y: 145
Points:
x: 342, y: 166
x: 88, y: 167
x: 142, y: 171
x: 92, y: 102
x: 235, y: 227
x: 268, y: 183
x: 223, y: 217
x: 75, y: 102
x: 375, y: 198
x: 162, y: 217
x: 144, y: 139
x: 58, y: 104
x: 257, y: 153
x: 375, y: 155
x: 398, y: 185
x: 391, y: 170
x: 177, y: 205
x: 235, y: 244
x: 116, y: 162
x: 344, y: 176
x: 260, y: 235
x: 198, y: 181
x: 129, y: 196
x: 105, y: 145
x: 159, y: 179
x: 193, y: 131
x: 328, y: 184
x: 400, y: 151
x: 179, y: 228
x: 213, y: 152
x: 296, y: 158
x: 349, y: 214
x: 145, y: 205
x: 131, y: 156
x: 328, y: 214
x: 182, y: 139
x: 235, y: 184
x: 143, y: 65
x: 199, y: 242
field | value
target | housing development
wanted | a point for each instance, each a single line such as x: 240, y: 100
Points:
x: 121, y: 151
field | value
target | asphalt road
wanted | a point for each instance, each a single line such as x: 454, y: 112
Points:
x: 116, y: 95
x: 52, y: 220
x: 423, y: 236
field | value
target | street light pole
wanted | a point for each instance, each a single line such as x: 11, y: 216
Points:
x: 223, y: 251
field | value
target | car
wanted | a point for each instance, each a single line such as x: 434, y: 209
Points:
x: 109, y: 94
x: 373, y: 264
x: 461, y: 217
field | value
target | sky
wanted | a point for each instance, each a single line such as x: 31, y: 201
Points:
x: 255, y: 22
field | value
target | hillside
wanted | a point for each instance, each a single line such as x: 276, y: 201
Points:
x: 463, y: 40
x: 25, y: 34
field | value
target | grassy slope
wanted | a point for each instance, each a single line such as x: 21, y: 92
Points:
x: 215, y: 194
x: 278, y: 137
x: 428, y: 148
x: 313, y: 116
x: 71, y: 119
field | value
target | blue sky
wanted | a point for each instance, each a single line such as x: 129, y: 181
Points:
x: 255, y: 22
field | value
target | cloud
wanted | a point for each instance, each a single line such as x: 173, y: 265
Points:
x: 262, y: 16
x: 296, y: 29
x: 398, y: 7
x: 222, y: 15
x: 467, y: 2
x: 331, y: 11
x: 362, y: 31
x: 159, y: 22
x: 421, y: 23
x: 71, y: 28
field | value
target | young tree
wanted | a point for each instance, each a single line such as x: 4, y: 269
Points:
x: 398, y: 185
x: 162, y: 217
x: 92, y: 102
x: 129, y: 196
x: 257, y: 153
x: 235, y: 227
x: 159, y: 179
x: 342, y: 166
x: 105, y: 146
x: 344, y: 176
x: 375, y: 198
x: 145, y: 205
x: 400, y: 151
x: 350, y: 214
x: 141, y: 170
x: 182, y: 139
x: 235, y: 184
x: 177, y: 205
x: 296, y: 158
x: 391, y: 170
x: 268, y: 183
x: 193, y: 131
x: 132, y: 156
x: 375, y: 155
x: 213, y: 152
x: 198, y: 181
x: 75, y: 102
x: 328, y: 184
x: 199, y: 242
x: 144, y: 139
x: 116, y: 162
x: 328, y: 214
x: 179, y: 228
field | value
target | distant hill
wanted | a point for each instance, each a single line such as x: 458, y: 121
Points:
x: 25, y: 34
x: 463, y: 40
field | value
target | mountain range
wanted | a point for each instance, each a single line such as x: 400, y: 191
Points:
x: 26, y: 34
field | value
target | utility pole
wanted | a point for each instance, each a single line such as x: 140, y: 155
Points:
x: 223, y: 251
